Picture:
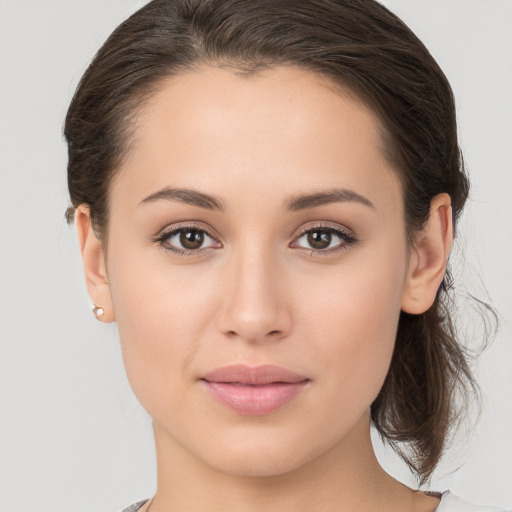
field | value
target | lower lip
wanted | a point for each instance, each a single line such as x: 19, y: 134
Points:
x: 255, y: 400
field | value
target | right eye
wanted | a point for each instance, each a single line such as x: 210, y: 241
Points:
x: 188, y: 240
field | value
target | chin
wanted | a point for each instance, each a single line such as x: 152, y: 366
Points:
x: 262, y: 456
x: 258, y: 465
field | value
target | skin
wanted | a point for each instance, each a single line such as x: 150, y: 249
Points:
x: 256, y: 292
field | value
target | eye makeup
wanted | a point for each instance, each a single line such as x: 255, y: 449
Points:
x: 324, y: 239
x: 191, y: 236
x: 195, y: 239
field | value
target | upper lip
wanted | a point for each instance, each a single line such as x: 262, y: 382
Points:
x: 254, y: 375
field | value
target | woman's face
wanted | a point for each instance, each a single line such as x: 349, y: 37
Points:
x: 256, y: 222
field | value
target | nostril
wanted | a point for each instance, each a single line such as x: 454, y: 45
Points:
x: 271, y: 334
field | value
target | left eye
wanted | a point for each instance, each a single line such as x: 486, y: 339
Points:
x: 320, y: 239
x: 188, y: 239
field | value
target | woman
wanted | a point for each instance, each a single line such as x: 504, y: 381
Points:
x: 266, y: 195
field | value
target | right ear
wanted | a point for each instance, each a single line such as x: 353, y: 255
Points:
x: 93, y: 260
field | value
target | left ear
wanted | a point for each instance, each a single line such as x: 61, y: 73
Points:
x: 427, y: 264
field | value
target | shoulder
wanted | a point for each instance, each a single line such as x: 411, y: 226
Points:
x: 135, y: 506
x: 452, y: 503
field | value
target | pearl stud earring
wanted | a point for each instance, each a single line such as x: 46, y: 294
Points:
x: 97, y: 310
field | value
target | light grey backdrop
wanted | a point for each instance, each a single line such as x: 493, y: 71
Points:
x: 73, y: 439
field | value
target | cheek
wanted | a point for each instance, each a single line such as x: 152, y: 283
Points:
x: 162, y: 314
x: 354, y: 315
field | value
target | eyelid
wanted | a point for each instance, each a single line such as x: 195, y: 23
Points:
x: 326, y: 225
x: 347, y: 236
x: 173, y: 229
x: 200, y: 226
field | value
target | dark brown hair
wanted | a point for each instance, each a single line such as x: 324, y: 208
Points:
x: 367, y: 50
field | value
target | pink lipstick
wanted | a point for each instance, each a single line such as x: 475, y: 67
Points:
x: 254, y: 391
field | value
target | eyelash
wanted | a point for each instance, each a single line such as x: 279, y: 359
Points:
x: 347, y: 239
x: 166, y: 234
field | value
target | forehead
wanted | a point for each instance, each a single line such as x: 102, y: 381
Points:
x: 286, y: 126
x: 215, y: 97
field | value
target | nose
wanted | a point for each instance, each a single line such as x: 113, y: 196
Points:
x: 255, y: 307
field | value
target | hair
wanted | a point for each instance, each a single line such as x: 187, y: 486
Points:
x: 368, y: 51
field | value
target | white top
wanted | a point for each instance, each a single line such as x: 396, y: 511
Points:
x: 449, y: 503
x: 452, y: 503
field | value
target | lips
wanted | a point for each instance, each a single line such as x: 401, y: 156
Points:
x: 254, y: 391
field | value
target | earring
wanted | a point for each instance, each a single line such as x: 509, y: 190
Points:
x: 97, y: 310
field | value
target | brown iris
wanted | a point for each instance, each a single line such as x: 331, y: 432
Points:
x: 319, y: 239
x: 191, y: 239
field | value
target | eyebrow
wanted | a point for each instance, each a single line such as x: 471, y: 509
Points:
x: 338, y: 195
x: 302, y: 202
x: 187, y: 196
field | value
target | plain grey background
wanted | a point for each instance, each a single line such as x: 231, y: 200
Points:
x: 73, y: 438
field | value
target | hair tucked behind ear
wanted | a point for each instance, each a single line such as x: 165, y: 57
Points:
x: 360, y: 46
x: 428, y: 370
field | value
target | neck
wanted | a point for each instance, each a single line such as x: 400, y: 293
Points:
x: 346, y: 478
